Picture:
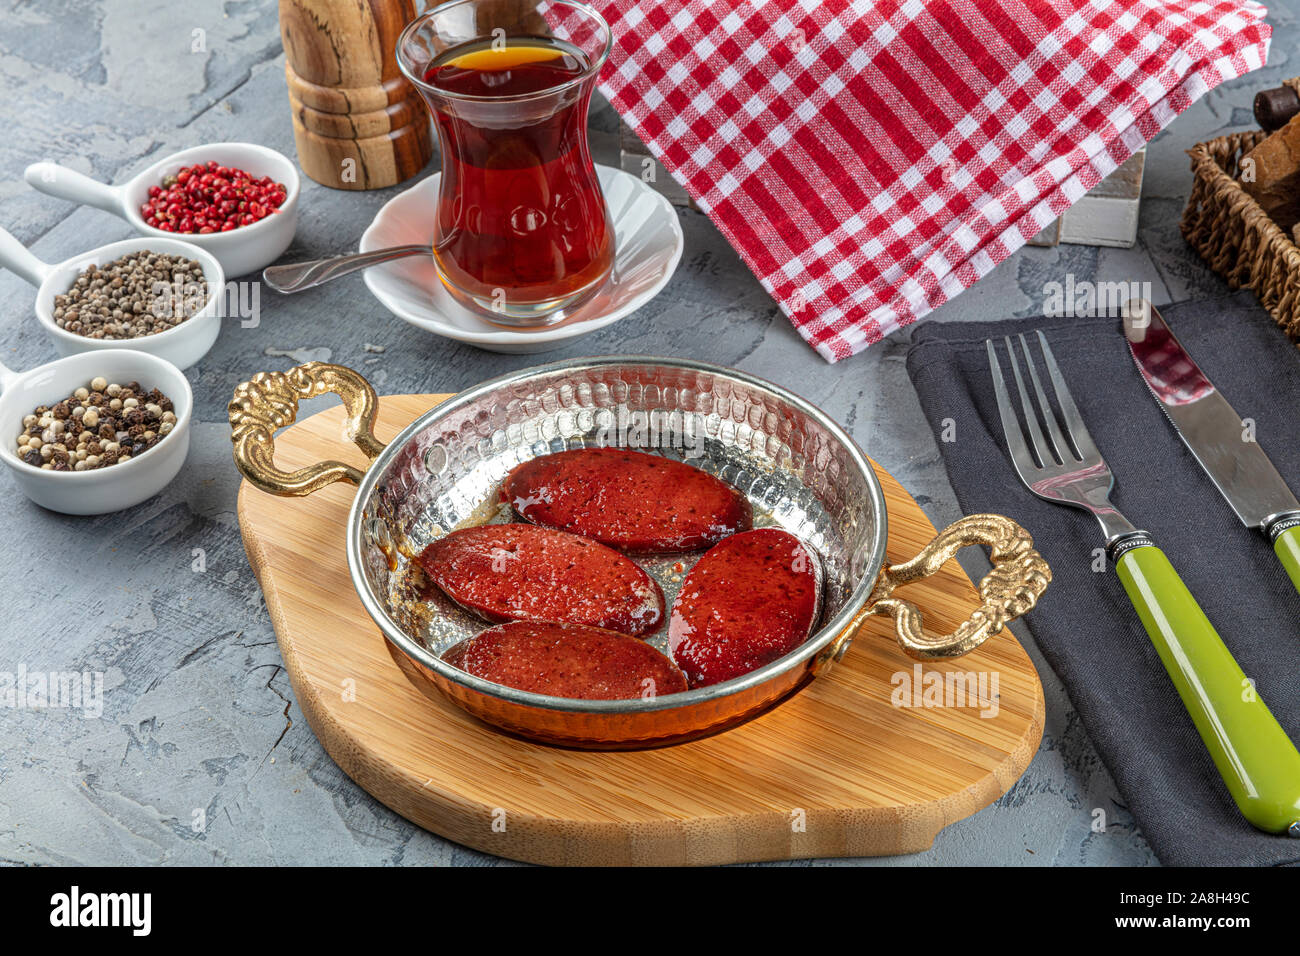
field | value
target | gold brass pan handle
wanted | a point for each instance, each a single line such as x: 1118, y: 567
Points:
x: 269, y: 401
x: 1017, y: 581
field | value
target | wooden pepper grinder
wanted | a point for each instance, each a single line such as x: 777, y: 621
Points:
x: 358, y: 123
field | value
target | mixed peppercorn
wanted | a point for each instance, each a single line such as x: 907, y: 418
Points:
x: 208, y: 197
x: 142, y: 293
x: 98, y: 425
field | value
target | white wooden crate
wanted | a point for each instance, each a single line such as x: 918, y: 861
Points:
x: 1107, y: 215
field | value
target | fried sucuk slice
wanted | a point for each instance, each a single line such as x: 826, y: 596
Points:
x: 627, y: 499
x: 520, y: 572
x: 748, y: 601
x: 567, y: 660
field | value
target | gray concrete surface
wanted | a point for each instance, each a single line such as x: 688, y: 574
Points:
x: 199, y: 721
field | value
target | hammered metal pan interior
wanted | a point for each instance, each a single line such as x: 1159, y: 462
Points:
x: 800, y: 470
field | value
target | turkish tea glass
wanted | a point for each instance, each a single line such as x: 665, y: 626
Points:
x: 522, y: 233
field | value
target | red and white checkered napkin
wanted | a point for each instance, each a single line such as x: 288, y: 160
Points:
x: 870, y: 160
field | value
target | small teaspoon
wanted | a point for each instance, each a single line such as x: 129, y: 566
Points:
x: 297, y: 276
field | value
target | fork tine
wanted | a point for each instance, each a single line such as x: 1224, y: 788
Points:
x: 1036, y: 437
x: 1063, y: 451
x: 1073, y: 420
x: 1015, y: 438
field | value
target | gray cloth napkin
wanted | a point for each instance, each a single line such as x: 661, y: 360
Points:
x: 1084, y: 625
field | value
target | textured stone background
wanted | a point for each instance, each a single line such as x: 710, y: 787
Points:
x: 198, y: 712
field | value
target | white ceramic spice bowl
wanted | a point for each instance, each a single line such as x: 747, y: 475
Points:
x: 182, y: 345
x: 114, y: 487
x: 240, y: 251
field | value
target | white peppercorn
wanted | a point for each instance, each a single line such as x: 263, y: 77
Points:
x: 140, y: 294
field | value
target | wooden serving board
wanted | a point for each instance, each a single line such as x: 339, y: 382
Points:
x: 837, y: 770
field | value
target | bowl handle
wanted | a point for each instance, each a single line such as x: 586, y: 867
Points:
x: 56, y: 180
x: 1018, y: 579
x: 269, y: 401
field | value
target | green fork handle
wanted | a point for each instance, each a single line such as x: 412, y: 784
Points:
x: 1256, y: 759
x: 1287, y: 547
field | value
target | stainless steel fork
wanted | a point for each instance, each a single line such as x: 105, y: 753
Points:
x: 1258, y: 762
x: 1073, y: 474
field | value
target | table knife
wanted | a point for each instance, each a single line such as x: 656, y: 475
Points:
x: 1219, y: 438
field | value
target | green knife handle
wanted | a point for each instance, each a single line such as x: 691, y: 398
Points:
x: 1256, y: 759
x: 1287, y: 546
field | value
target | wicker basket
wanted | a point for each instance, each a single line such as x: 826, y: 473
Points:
x: 1234, y: 235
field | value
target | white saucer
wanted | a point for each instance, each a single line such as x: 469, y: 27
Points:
x: 648, y: 246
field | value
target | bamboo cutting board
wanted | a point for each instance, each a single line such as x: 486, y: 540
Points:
x: 837, y: 770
